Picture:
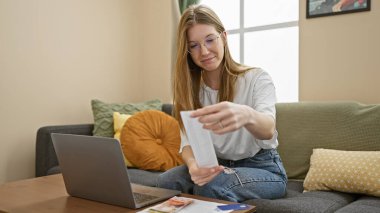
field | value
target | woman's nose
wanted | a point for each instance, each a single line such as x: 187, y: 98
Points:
x: 204, y: 49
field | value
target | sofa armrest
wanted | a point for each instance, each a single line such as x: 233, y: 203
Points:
x: 45, y: 153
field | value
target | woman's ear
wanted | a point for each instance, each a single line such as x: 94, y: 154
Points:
x: 224, y: 35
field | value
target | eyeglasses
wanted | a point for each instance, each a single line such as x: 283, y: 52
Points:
x: 210, y: 42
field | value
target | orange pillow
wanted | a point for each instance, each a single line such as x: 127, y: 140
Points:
x: 151, y: 139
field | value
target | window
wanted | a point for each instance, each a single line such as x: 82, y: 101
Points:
x: 264, y: 33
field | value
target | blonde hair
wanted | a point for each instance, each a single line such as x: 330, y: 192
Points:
x: 187, y: 79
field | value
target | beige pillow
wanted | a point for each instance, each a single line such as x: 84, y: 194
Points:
x: 118, y: 123
x: 345, y: 171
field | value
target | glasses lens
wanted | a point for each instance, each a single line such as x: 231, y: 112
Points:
x: 210, y: 42
x: 194, y: 47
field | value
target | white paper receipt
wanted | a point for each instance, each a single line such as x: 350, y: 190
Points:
x: 200, y: 141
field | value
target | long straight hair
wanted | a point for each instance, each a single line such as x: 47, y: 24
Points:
x: 187, y: 79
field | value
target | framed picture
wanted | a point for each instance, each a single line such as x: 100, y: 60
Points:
x: 318, y: 8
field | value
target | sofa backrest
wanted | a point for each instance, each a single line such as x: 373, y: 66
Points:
x: 167, y: 108
x: 303, y: 126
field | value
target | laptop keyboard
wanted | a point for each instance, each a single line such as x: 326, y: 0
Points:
x: 140, y: 198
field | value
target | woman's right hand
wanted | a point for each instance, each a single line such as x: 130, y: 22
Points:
x: 202, y: 176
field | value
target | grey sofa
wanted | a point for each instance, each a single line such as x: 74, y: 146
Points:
x: 301, y: 127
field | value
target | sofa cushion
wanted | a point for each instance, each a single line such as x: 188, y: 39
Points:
x: 304, y: 126
x: 118, y: 123
x: 294, y: 188
x: 103, y: 113
x: 318, y: 201
x: 345, y: 171
x: 151, y: 140
x: 364, y: 204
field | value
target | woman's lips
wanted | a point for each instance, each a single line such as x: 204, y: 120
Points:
x: 207, y: 60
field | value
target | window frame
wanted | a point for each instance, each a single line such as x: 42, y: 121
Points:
x: 242, y: 30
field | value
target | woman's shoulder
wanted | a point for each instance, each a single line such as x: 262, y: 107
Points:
x: 254, y: 73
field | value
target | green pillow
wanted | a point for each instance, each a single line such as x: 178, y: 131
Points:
x: 103, y: 114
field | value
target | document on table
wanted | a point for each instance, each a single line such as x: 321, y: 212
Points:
x: 195, y: 206
x: 200, y: 141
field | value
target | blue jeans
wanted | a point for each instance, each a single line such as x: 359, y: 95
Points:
x: 261, y: 176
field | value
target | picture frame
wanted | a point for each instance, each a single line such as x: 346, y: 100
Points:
x: 319, y: 8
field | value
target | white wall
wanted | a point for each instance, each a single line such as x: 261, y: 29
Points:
x: 155, y: 45
x: 57, y: 55
x: 340, y: 56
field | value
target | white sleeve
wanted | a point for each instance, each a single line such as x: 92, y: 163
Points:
x: 264, y: 97
x: 264, y: 100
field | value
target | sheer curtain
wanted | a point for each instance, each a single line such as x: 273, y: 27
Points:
x: 183, y: 4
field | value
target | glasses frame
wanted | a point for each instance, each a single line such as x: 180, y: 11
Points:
x: 200, y: 44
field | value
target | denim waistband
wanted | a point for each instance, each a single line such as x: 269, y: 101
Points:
x: 233, y: 163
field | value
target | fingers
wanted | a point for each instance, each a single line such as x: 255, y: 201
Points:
x: 201, y: 182
x: 225, y: 125
x: 228, y: 125
x: 205, y: 111
x: 203, y: 172
x: 209, y: 110
x: 212, y: 114
x: 201, y: 176
x: 222, y: 117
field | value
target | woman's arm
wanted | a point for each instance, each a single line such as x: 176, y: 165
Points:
x: 261, y: 125
x: 199, y: 176
x: 188, y: 156
x: 227, y: 117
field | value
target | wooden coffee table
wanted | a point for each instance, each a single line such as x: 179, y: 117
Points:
x: 48, y: 194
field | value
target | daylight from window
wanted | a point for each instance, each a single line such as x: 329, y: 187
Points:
x: 264, y: 34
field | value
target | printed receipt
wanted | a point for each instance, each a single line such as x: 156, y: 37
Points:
x: 200, y: 141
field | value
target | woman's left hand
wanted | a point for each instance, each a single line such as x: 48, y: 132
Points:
x: 223, y: 117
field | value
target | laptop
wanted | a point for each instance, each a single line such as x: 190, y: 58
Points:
x: 93, y: 168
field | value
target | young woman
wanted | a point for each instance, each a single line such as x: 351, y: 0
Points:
x: 236, y: 103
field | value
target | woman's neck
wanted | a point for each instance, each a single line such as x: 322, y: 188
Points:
x: 212, y: 79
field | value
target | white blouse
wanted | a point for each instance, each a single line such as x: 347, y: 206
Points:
x: 255, y: 89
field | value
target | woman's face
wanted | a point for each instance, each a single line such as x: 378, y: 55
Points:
x: 206, y: 46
